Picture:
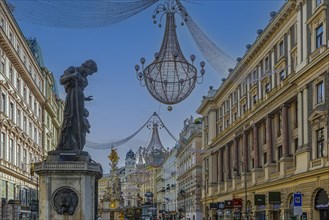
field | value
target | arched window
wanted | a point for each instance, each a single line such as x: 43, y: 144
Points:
x: 321, y: 204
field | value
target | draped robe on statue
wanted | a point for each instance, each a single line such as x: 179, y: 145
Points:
x: 73, y: 134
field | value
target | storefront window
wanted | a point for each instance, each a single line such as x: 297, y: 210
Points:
x: 322, y: 204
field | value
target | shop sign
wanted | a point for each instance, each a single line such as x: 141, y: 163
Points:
x: 297, y: 203
x: 237, y: 203
x: 228, y: 204
x: 14, y: 202
x: 213, y: 205
x: 322, y: 206
x: 221, y: 205
x: 259, y: 199
x: 274, y: 197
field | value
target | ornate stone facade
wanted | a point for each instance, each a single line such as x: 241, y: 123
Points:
x: 28, y: 126
x: 267, y: 124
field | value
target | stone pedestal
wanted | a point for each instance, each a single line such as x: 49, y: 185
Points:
x: 68, y: 186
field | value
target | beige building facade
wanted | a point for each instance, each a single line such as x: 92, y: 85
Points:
x: 267, y: 124
x: 189, y: 170
x: 24, y: 97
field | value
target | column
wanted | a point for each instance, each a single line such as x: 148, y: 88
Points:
x: 236, y: 154
x: 212, y: 125
x: 304, y: 29
x: 305, y: 115
x: 269, y: 138
x: 285, y: 134
x: 213, y: 162
x: 259, y: 83
x: 299, y: 34
x: 228, y: 160
x: 220, y: 166
x: 245, y: 150
x: 238, y: 101
x: 300, y: 119
x: 288, y: 46
x: 274, y: 73
x: 256, y: 145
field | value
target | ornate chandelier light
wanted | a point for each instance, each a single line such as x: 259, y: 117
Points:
x: 155, y: 154
x: 140, y: 175
x: 170, y: 78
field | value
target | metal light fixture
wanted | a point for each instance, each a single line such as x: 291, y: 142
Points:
x: 140, y: 175
x: 170, y: 78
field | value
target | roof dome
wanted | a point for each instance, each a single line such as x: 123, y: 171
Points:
x: 130, y: 155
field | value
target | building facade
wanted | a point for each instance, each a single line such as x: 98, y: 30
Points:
x: 170, y: 182
x: 23, y: 114
x: 265, y: 130
x: 189, y: 170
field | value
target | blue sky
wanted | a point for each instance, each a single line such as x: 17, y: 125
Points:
x: 120, y: 104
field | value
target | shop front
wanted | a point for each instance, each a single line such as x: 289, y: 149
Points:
x: 321, y: 205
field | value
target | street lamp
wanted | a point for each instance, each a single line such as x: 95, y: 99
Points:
x: 244, y: 167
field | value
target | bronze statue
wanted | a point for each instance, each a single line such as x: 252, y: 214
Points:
x: 75, y: 123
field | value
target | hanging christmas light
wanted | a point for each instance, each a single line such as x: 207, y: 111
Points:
x: 170, y: 78
x: 155, y: 154
x: 140, y: 175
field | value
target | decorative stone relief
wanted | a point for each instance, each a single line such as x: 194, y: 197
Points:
x: 65, y: 201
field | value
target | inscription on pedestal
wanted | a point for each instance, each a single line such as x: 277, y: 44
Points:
x: 65, y: 201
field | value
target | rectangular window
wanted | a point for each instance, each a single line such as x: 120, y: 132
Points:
x: 281, y: 49
x: 319, y: 142
x: 319, y: 36
x: 18, y: 85
x: 2, y: 23
x: 18, y: 119
x: 279, y: 152
x: 279, y: 124
x: 11, y: 111
x: 267, y: 88
x: 30, y: 100
x: 264, y: 135
x: 40, y: 139
x: 30, y: 129
x: 319, y: 93
x: 3, y: 103
x: 35, y: 135
x: 18, y: 163
x: 244, y: 108
x: 3, y: 146
x: 11, y: 151
x: 11, y: 38
x: 25, y: 93
x: 282, y: 75
x: 25, y: 159
x: 254, y: 98
x: 18, y: 49
x: 296, y: 144
x: 318, y: 2
x: 267, y: 64
x: 25, y: 124
x: 265, y: 158
x: 11, y: 75
x: 2, y: 66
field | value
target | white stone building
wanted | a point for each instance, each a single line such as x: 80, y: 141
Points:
x: 26, y: 89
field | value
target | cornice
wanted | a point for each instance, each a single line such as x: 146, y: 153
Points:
x: 19, y: 66
x: 285, y: 11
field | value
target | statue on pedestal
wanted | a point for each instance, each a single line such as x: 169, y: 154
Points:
x: 75, y: 123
